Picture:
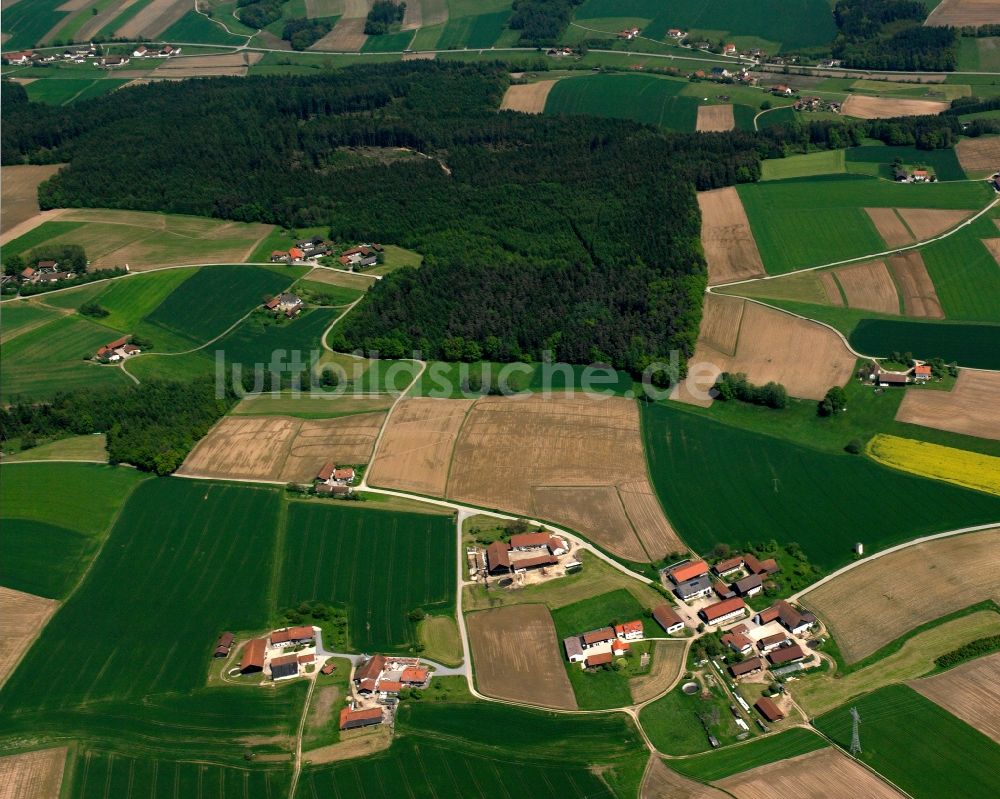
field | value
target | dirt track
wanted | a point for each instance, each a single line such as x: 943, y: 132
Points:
x: 527, y: 97
x: 864, y: 107
x: 970, y: 408
x: 730, y: 249
x: 715, y: 118
x: 971, y: 692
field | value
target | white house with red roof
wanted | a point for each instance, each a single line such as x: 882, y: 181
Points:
x: 629, y: 631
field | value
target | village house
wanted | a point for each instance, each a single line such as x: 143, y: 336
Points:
x: 629, y: 631
x: 729, y: 49
x: 292, y: 636
x: 313, y: 248
x: 253, y: 656
x: 596, y: 638
x: 140, y: 52
x: 351, y: 719
x: 688, y: 571
x: 359, y: 257
x: 676, y: 33
x: 920, y: 176
x: 414, y: 676
x: 786, y: 654
x: 755, y: 566
x: 921, y: 373
x: 168, y: 51
x: 749, y: 586
x: 746, y: 667
x: 720, y: 72
x: 335, y: 475
x: 19, y: 59
x: 628, y: 34
x: 223, y: 646
x: 281, y: 257
x: 328, y: 668
x: 721, y: 612
x: 769, y: 642
x: 782, y: 90
x: 728, y: 566
x: 738, y: 642
x: 114, y: 61
x: 284, y: 667
x: 285, y: 303
x: 693, y: 589
x: 668, y: 619
x: 559, y: 52
x: 768, y: 709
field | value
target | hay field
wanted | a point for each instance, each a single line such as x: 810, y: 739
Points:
x: 153, y: 19
x: 527, y: 97
x: 915, y: 285
x: 804, y: 356
x: 32, y: 775
x: 349, y: 32
x: 970, y: 691
x: 668, y: 662
x: 281, y: 448
x: 415, y: 451
x: 715, y: 118
x: 567, y: 459
x: 869, y: 286
x: 730, y: 249
x: 335, y: 277
x: 979, y: 155
x: 19, y: 192
x: 959, y: 466
x: 517, y: 656
x: 926, y: 223
x: 24, y: 616
x: 890, y: 227
x: 863, y: 107
x: 825, y: 772
x: 907, y: 588
x: 660, y: 782
x: 233, y: 64
x: 956, y: 13
x: 970, y: 408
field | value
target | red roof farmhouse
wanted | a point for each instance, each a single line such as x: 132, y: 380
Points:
x: 723, y: 611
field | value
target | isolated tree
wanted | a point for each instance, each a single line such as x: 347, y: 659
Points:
x: 833, y: 403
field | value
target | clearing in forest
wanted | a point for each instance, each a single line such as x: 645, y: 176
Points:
x: 971, y: 692
x: 527, y: 97
x: 715, y: 118
x: 24, y: 617
x: 32, y: 775
x: 970, y: 408
x: 726, y: 237
x: 281, y: 448
x: 517, y: 656
x: 915, y: 285
x: 864, y: 107
x: 959, y: 13
x: 19, y: 197
x: 980, y: 155
x: 907, y: 588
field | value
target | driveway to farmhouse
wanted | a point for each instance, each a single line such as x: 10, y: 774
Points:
x: 439, y: 670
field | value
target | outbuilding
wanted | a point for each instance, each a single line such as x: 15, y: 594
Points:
x: 745, y: 667
x: 353, y: 719
x: 253, y: 656
x: 721, y: 612
x: 668, y: 619
x: 768, y: 709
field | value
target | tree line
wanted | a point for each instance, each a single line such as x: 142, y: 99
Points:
x: 889, y: 34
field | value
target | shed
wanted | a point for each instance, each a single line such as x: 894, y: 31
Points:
x: 768, y: 709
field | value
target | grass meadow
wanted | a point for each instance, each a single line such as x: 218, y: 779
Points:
x: 131, y: 299
x: 194, y: 27
x: 20, y: 316
x: 825, y: 162
x: 381, y: 564
x: 472, y: 24
x: 916, y: 744
x: 42, y: 234
x: 27, y: 23
x: 63, y: 91
x: 713, y: 766
x: 642, y: 98
x: 776, y: 489
x: 965, y: 274
x: 673, y: 724
x: 877, y: 160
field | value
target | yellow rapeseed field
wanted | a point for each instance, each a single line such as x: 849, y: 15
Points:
x: 969, y: 469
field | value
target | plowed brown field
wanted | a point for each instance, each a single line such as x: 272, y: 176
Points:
x: 926, y: 223
x: 971, y: 692
x: 831, y: 288
x: 970, y: 408
x: 527, y: 97
x: 153, y: 19
x: 730, y: 249
x: 517, y: 656
x: 915, y: 285
x: 662, y: 783
x: 22, y: 617
x: 980, y: 155
x: 869, y: 286
x: 862, y: 107
x: 348, y: 33
x: 890, y: 227
x: 715, y: 118
x: 907, y: 588
x: 32, y: 775
x: 956, y: 13
x: 19, y: 192
x: 668, y: 661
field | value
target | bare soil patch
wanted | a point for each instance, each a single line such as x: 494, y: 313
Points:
x: 419, y: 56
x: 825, y: 772
x: 890, y: 227
x: 281, y: 448
x: 971, y: 692
x: 349, y: 32
x: 98, y: 21
x: 551, y: 456
x: 715, y: 118
x: 334, y: 277
x: 869, y: 286
x: 863, y: 107
x: 831, y: 288
x: 956, y: 13
x: 979, y: 155
x: 527, y: 97
x: 352, y: 744
x: 153, y: 19
x: 668, y: 662
x: 907, y: 588
x: 416, y: 448
x: 926, y: 223
x: 321, y: 709
x: 207, y: 66
x: 517, y: 657
x: 970, y: 408
x: 19, y: 197
x: 915, y: 285
x: 993, y: 245
x: 730, y: 249
x: 32, y: 775
x: 22, y: 617
x: 662, y: 783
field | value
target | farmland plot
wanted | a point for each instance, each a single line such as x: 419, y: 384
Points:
x: 643, y: 98
x: 906, y: 589
x: 24, y: 617
x: 969, y: 408
x: 19, y: 201
x: 956, y: 13
x: 865, y: 107
x: 659, y: 782
x: 729, y: 245
x: 973, y: 345
x: 979, y: 156
x: 869, y: 286
x: 32, y: 775
x: 715, y: 118
x: 153, y: 19
x: 527, y: 97
x: 890, y: 227
x: 971, y: 692
x: 915, y: 286
x: 668, y: 662
x: 961, y: 467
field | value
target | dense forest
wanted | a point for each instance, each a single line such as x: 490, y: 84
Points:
x: 541, y: 22
x: 581, y: 239
x: 888, y: 34
x: 382, y: 16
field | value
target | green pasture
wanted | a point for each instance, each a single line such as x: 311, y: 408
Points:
x: 185, y: 560
x: 642, y: 98
x: 380, y: 564
x: 388, y: 43
x: 674, y: 726
x: 311, y: 406
x: 916, y: 744
x: 825, y: 162
x: 62, y: 91
x: 877, y: 160
x: 979, y: 54
x: 131, y: 299
x: 67, y: 32
x: 965, y: 273
x: 713, y: 766
x: 328, y: 294
x: 471, y: 24
x: 194, y: 27
x: 787, y: 492
x: 20, y: 316
x: 977, y: 346
x: 43, y: 234
x: 43, y: 559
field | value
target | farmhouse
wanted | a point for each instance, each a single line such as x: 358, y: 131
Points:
x: 168, y: 50
x: 527, y: 541
x: 745, y: 667
x: 291, y: 636
x: 921, y: 373
x: 414, y: 676
x: 738, y: 642
x: 782, y: 90
x: 498, y: 558
x: 574, y: 649
x: 721, y: 612
x: 114, y: 61
x: 720, y: 72
x: 253, y: 656
x: 117, y: 350
x: 332, y: 475
x: 769, y: 642
x: 688, y: 571
x: 770, y: 711
x: 755, y: 566
x: 314, y: 247
x: 629, y: 631
x: 18, y: 59
x: 728, y: 566
x: 749, y: 586
x: 729, y: 49
x: 891, y: 378
x: 285, y: 303
x: 791, y: 619
x: 692, y: 589
x: 786, y: 654
x: 223, y: 645
x: 668, y: 619
x: 596, y: 638
x: 285, y: 667
x: 140, y: 52
x: 602, y: 659
x: 351, y: 719
x: 723, y: 591
x: 280, y: 256
x: 628, y: 33
x: 328, y: 668
x: 360, y: 256
x: 676, y: 33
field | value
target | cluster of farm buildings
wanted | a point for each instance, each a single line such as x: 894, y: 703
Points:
x: 376, y: 684
x: 45, y: 271
x: 79, y: 55
x: 355, y: 258
x: 335, y: 480
x: 116, y: 351
x: 285, y: 304
x: 271, y: 656
x: 599, y: 647
x: 541, y: 552
x: 875, y: 374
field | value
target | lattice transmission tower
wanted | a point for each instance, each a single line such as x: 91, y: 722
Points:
x: 855, y: 732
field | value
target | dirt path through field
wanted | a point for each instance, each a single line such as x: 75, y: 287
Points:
x: 527, y: 97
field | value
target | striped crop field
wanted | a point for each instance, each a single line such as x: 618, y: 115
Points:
x: 958, y: 466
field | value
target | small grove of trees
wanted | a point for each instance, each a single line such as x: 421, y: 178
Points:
x: 833, y: 403
x: 302, y: 33
x: 734, y: 385
x: 259, y: 13
x: 541, y: 22
x: 382, y: 16
x: 969, y: 651
x: 94, y: 309
x: 70, y: 257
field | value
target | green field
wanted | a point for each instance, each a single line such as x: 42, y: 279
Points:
x: 21, y: 316
x: 326, y: 293
x: 27, y: 22
x: 131, y: 299
x: 977, y: 346
x: 61, y: 91
x: 643, y: 98
x: 919, y: 746
x: 943, y: 162
x: 28, y: 559
x: 825, y: 162
x: 380, y: 564
x: 311, y: 406
x: 471, y: 23
x: 194, y: 27
x: 673, y: 724
x: 965, y: 274
x: 769, y: 749
x: 799, y: 223
x: 43, y: 234
x: 775, y: 489
x: 388, y: 43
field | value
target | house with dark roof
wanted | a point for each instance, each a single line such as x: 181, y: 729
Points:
x: 786, y: 654
x: 756, y: 566
x: 284, y: 667
x: 745, y: 667
x: 721, y: 612
x: 793, y: 620
x: 668, y: 619
x: 728, y: 566
x: 768, y: 709
x: 223, y: 645
x: 692, y: 589
x: 723, y: 591
x: 534, y: 562
x: 749, y: 586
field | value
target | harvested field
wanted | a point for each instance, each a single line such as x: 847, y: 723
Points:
x: 324, y: 8
x: 335, y: 277
x: 281, y: 448
x: 662, y: 783
x: 890, y: 227
x: 19, y: 198
x: 153, y: 19
x: 993, y: 245
x: 969, y: 408
x: 869, y: 286
x: 415, y: 451
x: 668, y: 662
x: 352, y: 744
x: 926, y: 223
x: 806, y: 357
x: 715, y: 118
x: 907, y: 588
x: 720, y: 323
x: 970, y: 691
x: 642, y: 507
x: 825, y: 772
x: 527, y: 97
x: 32, y: 775
x: 419, y: 56
x: 349, y: 32
x: 915, y: 285
x: 517, y: 656
x: 207, y: 66
x: 980, y: 155
x: 863, y: 107
x: 730, y: 249
x: 98, y: 21
x: 831, y: 288
x: 23, y: 618
x: 956, y: 13
x: 553, y: 444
